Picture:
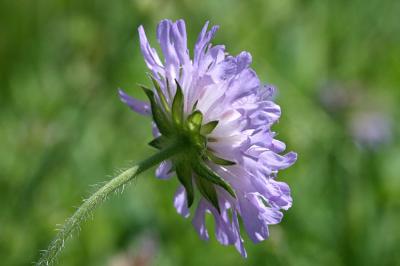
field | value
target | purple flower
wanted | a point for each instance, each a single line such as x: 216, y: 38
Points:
x: 215, y: 105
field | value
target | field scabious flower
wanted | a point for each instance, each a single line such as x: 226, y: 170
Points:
x: 216, y: 109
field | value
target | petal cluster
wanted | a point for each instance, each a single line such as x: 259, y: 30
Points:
x: 225, y: 89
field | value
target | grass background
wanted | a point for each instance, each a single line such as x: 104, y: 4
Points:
x: 62, y: 128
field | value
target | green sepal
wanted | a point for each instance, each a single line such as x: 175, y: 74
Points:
x: 209, y: 127
x: 177, y: 105
x: 159, y: 116
x: 217, y: 160
x: 159, y: 142
x: 168, y: 87
x: 204, y: 171
x: 194, y: 121
x: 195, y: 106
x: 208, y: 191
x: 184, y: 174
x: 160, y: 94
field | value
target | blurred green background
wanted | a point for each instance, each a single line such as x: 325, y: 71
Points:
x: 62, y: 129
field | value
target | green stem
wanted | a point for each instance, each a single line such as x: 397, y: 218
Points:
x: 72, y: 224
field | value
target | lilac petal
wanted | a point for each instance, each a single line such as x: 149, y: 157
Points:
x: 137, y: 106
x: 180, y: 42
x: 254, y: 167
x: 252, y: 162
x: 166, y: 41
x: 237, y: 64
x: 180, y: 202
x: 266, y: 162
x: 199, y: 222
x: 164, y: 170
x: 284, y: 200
x: 267, y: 92
x: 210, y: 98
x: 244, y: 84
x: 276, y: 161
x: 243, y: 61
x: 277, y: 194
x: 154, y: 130
x: 256, y: 228
x: 178, y: 66
x: 270, y: 159
x: 262, y: 114
x: 271, y: 216
x: 210, y: 62
x: 239, y: 240
x: 231, y: 147
x: 202, y: 41
x: 223, y: 227
x: 268, y: 214
x: 150, y: 55
x: 262, y: 137
x: 256, y: 216
x: 277, y: 146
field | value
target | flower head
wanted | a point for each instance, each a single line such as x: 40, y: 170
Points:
x: 215, y: 107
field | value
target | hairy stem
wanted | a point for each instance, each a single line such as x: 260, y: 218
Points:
x: 72, y: 224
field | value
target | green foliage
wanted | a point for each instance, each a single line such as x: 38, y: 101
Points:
x: 159, y: 116
x: 185, y: 176
x: 177, y: 106
x: 208, y: 191
x: 205, y: 172
x: 208, y: 127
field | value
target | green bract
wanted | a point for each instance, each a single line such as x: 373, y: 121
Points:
x: 188, y: 131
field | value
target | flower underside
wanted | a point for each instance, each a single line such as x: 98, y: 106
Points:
x: 215, y: 109
x: 190, y: 133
